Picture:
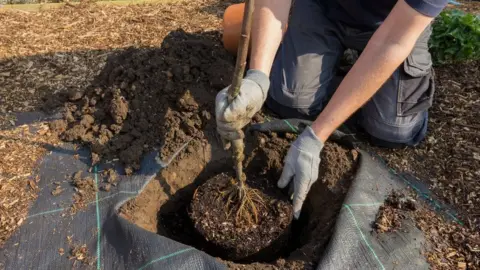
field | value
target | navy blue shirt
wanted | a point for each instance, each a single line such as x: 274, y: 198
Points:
x: 370, y: 14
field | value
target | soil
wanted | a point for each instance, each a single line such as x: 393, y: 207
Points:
x: 144, y: 99
x: 397, y: 207
x: 57, y: 191
x: 54, y: 51
x: 323, y: 204
x: 85, y: 192
x: 79, y: 254
x: 240, y: 237
x: 110, y: 176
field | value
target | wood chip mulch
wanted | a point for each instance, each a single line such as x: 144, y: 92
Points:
x: 20, y: 150
x: 449, y: 161
x: 449, y: 158
x: 47, y: 53
x: 449, y: 245
x: 469, y: 6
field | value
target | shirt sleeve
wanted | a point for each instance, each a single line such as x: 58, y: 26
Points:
x: 430, y: 8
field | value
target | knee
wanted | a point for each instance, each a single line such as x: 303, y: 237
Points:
x: 398, y: 113
x: 407, y: 131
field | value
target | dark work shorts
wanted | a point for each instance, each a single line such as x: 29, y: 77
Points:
x: 303, y: 73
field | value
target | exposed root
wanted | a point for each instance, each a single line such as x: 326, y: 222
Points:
x: 243, y: 200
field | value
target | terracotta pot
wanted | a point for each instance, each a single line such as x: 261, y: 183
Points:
x: 232, y: 27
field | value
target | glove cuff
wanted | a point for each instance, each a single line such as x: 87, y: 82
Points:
x: 260, y: 78
x: 308, y: 140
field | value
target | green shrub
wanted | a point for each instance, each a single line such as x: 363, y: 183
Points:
x: 455, y: 37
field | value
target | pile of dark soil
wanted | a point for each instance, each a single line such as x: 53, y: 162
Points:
x: 396, y: 208
x: 145, y: 98
x: 68, y: 46
x: 215, y: 218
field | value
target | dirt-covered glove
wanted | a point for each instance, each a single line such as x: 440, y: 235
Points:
x: 301, y: 164
x: 231, y: 118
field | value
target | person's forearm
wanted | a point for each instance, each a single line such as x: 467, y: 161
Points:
x: 371, y: 70
x: 387, y: 49
x: 269, y: 20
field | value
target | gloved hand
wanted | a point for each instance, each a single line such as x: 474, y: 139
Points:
x: 231, y: 118
x: 301, y: 164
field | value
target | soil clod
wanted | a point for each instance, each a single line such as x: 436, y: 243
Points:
x: 85, y: 192
x: 397, y: 207
x: 106, y: 187
x: 81, y: 254
x: 110, y: 175
x: 57, y: 191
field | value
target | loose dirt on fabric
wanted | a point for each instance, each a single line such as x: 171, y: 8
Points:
x: 396, y: 208
x: 85, y: 188
x: 79, y: 254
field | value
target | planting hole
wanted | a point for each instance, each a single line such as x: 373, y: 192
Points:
x: 164, y: 206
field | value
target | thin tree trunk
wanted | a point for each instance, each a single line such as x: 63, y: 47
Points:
x: 237, y: 145
x: 242, y: 51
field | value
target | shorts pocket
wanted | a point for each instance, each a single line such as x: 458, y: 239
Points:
x: 416, y: 85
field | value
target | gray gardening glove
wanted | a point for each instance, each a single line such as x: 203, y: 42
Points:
x: 301, y: 164
x: 231, y: 118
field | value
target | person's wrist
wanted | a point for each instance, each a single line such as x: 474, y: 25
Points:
x: 260, y: 78
x: 320, y: 131
x: 308, y: 140
x: 262, y: 66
